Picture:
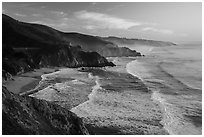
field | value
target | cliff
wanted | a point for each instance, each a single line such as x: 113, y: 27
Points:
x: 21, y: 35
x: 27, y: 115
x: 15, y: 62
x: 27, y: 46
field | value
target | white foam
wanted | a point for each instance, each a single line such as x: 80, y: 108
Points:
x: 76, y: 81
x: 137, y: 69
x: 45, y: 76
x: 90, y: 76
x: 173, y: 119
x: 95, y: 88
x: 91, y: 96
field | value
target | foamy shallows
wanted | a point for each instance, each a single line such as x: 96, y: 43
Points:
x: 121, y: 102
x: 137, y: 69
x: 146, y: 95
x: 174, y: 77
x: 66, y: 87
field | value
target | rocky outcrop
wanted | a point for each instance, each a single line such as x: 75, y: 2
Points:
x: 16, y: 62
x: 27, y: 46
x: 27, y: 115
x: 74, y: 57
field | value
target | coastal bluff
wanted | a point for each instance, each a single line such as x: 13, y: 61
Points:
x: 30, y: 116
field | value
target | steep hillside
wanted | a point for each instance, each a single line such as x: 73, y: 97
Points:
x: 20, y: 34
x: 15, y: 61
x: 94, y: 43
x: 30, y: 116
x: 28, y: 46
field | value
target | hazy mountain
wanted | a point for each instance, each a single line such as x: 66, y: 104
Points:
x: 27, y: 46
x: 20, y: 34
x: 135, y: 42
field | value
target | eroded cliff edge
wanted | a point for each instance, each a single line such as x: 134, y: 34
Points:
x: 27, y: 115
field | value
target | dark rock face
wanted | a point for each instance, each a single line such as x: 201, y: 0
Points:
x: 15, y: 62
x: 28, y: 46
x: 27, y: 115
x: 74, y: 57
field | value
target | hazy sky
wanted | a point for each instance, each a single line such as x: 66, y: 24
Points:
x: 176, y: 22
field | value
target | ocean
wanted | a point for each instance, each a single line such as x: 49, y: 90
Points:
x: 174, y: 75
x: 160, y: 93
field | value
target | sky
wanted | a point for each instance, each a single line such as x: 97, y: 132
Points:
x: 176, y: 21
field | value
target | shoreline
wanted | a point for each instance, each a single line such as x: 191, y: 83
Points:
x: 91, y: 96
x: 26, y: 81
x: 64, y: 87
x: 85, y: 99
x: 174, y: 110
x: 105, y: 96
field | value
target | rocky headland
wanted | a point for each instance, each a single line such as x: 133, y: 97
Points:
x: 27, y: 47
x: 31, y: 116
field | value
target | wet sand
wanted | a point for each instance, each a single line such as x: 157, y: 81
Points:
x: 67, y: 87
x: 26, y: 81
x: 109, y: 100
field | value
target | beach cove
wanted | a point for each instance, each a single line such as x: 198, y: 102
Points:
x: 109, y: 100
x: 135, y: 97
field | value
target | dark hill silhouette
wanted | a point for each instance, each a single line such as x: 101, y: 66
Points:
x: 20, y: 34
x: 27, y: 46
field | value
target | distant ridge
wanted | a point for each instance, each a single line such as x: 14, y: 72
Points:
x: 33, y: 35
x: 27, y: 46
x: 131, y: 41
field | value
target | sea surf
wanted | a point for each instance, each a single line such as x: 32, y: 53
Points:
x: 174, y: 76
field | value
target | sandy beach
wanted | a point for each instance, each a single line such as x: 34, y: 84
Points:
x: 67, y: 87
x: 110, y: 100
x: 26, y: 81
x: 135, y: 97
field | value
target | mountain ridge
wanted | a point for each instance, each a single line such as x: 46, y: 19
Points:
x: 135, y: 41
x: 26, y: 46
x: 42, y: 34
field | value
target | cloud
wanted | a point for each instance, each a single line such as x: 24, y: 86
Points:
x: 163, y: 31
x: 20, y: 15
x: 182, y: 34
x: 59, y: 13
x: 103, y: 21
x: 37, y: 15
x: 58, y: 23
x: 115, y: 7
x: 90, y: 27
x: 93, y: 3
